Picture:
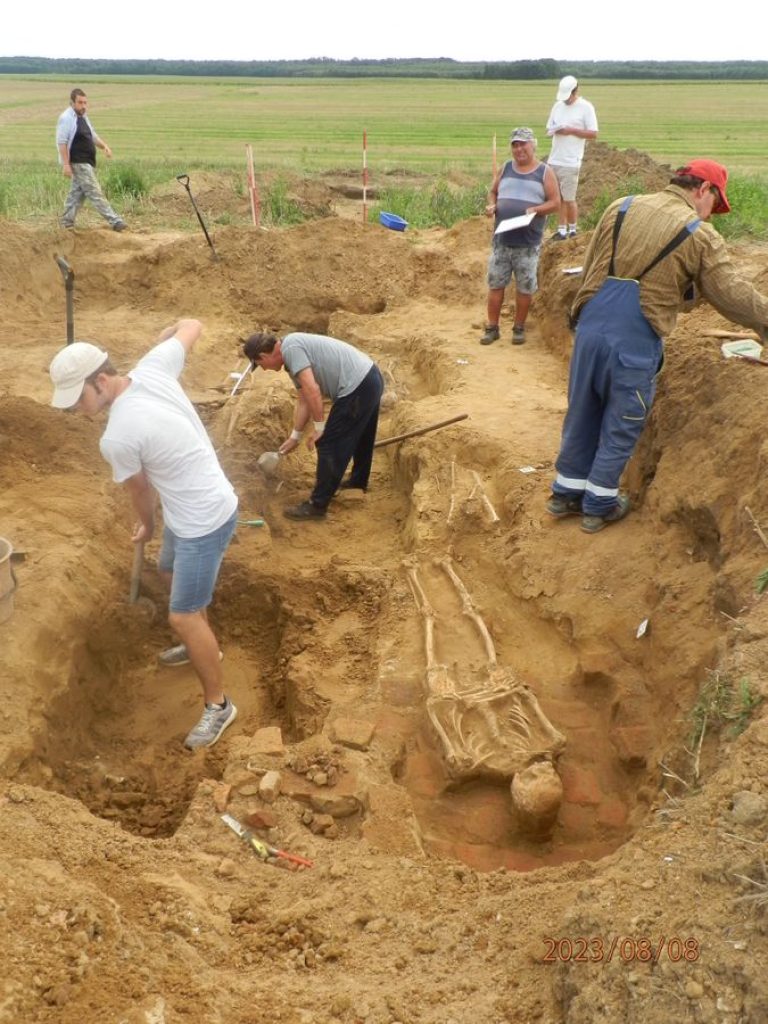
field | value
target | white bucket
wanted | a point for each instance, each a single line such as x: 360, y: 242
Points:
x: 7, y: 580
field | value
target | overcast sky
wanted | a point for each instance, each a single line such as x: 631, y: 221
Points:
x: 294, y: 29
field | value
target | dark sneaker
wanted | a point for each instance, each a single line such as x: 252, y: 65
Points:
x: 593, y: 524
x: 572, y: 234
x: 212, y: 724
x: 491, y: 334
x: 119, y: 225
x: 518, y: 334
x: 178, y: 655
x: 558, y: 236
x: 306, y: 510
x: 560, y: 506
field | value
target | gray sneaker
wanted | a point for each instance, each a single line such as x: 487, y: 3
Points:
x: 179, y: 655
x: 593, y: 524
x: 212, y: 724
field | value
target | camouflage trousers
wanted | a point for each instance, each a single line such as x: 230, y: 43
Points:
x: 85, y: 186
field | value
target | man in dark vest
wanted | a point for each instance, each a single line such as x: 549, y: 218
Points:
x: 77, y: 142
x: 523, y: 186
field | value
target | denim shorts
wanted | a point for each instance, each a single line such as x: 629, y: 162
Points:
x: 195, y: 564
x: 506, y: 260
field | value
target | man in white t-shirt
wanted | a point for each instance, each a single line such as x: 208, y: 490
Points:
x: 157, y: 446
x: 572, y: 122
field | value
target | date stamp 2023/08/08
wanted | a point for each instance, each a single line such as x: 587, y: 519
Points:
x: 624, y: 948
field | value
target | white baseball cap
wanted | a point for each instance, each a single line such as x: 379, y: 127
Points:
x: 69, y: 369
x: 566, y: 87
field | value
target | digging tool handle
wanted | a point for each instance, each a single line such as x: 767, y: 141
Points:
x: 421, y: 430
x: 69, y: 288
x: 750, y: 359
x: 737, y: 335
x: 184, y: 180
x: 138, y: 563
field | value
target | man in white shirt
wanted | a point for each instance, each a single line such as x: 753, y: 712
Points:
x: 572, y: 121
x: 157, y: 446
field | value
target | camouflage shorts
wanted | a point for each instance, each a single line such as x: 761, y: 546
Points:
x: 506, y: 261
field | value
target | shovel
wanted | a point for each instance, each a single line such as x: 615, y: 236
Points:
x: 183, y: 179
x: 269, y: 461
x: 69, y: 287
x: 133, y: 594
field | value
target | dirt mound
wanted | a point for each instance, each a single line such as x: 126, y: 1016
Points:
x: 432, y: 899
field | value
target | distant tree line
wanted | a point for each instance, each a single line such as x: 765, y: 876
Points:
x: 441, y: 67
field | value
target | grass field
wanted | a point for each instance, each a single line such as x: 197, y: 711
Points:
x: 436, y: 127
x: 159, y: 127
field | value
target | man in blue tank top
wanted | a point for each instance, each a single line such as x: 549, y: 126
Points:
x: 524, y: 185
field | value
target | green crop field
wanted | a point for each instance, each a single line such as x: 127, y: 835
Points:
x: 432, y: 126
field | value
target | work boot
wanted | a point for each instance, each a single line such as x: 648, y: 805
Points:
x: 213, y: 721
x: 491, y: 334
x: 593, y: 524
x: 306, y: 510
x: 518, y: 334
x: 179, y: 655
x: 560, y: 506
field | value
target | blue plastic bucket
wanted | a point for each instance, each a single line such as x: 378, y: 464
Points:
x: 392, y: 221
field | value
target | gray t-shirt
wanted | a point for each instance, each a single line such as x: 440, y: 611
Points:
x: 337, y: 367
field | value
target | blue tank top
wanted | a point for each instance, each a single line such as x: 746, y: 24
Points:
x: 516, y: 193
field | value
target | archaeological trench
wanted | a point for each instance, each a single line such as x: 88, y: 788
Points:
x: 482, y: 718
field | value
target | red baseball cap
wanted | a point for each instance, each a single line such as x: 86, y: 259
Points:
x: 715, y: 174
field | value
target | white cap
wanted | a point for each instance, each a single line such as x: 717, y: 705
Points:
x: 566, y: 87
x: 69, y: 369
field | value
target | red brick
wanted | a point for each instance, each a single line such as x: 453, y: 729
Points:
x: 580, y: 785
x: 613, y: 813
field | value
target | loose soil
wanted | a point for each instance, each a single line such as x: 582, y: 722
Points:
x: 124, y: 898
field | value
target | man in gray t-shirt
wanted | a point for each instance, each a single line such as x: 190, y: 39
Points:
x: 322, y: 367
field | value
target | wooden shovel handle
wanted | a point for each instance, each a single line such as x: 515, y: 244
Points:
x: 421, y: 430
x: 746, y: 335
x: 138, y: 564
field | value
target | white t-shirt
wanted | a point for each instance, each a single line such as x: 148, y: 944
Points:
x: 153, y: 426
x: 568, y: 150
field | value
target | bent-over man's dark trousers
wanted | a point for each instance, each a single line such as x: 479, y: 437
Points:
x: 350, y: 432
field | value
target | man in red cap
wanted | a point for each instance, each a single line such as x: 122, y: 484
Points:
x: 646, y: 257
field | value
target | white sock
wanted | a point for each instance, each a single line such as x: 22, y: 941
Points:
x: 562, y: 229
x: 572, y: 229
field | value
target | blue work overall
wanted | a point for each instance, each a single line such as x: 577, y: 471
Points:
x: 611, y: 386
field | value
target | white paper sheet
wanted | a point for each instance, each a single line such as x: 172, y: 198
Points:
x: 514, y: 222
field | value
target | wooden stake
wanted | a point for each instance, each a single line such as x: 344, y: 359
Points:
x: 253, y: 191
x: 365, y: 176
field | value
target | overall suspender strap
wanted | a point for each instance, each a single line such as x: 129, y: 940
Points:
x: 616, y: 229
x: 680, y: 237
x: 683, y: 234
